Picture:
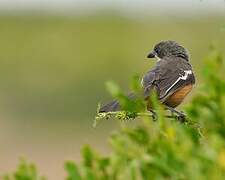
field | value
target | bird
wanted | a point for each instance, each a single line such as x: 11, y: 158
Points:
x: 172, y: 78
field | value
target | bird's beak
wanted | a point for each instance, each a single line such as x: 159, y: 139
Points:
x: 151, y: 54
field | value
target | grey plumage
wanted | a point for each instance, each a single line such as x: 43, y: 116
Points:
x: 168, y: 76
x: 114, y: 105
x: 166, y: 72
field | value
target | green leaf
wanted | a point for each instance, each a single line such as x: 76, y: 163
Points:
x: 113, y: 88
x: 88, y: 156
x: 72, y: 170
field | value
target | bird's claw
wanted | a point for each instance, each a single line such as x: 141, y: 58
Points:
x: 181, y: 117
x: 154, y: 115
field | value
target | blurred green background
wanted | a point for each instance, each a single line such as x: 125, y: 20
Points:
x: 53, y: 69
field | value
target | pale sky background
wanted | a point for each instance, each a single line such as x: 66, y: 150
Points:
x: 140, y: 6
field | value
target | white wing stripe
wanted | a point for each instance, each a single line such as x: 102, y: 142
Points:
x: 184, y: 77
x: 142, y: 82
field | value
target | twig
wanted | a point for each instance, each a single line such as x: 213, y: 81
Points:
x: 124, y: 115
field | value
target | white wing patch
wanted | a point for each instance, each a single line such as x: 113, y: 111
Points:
x: 183, y: 77
x: 142, y: 82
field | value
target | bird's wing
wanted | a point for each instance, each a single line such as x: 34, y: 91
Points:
x: 168, y: 77
x: 149, y: 79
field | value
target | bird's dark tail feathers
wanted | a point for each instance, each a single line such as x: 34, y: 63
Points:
x: 110, y: 107
x: 114, y: 105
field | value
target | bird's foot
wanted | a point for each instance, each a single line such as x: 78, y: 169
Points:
x: 181, y: 118
x: 154, y: 115
x: 180, y: 115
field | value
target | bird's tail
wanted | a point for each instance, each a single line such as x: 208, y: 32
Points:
x: 110, y: 107
x: 114, y: 105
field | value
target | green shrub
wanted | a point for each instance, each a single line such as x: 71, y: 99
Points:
x: 24, y: 171
x: 163, y: 149
x: 168, y: 149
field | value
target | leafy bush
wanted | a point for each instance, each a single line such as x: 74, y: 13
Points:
x: 25, y: 171
x: 166, y: 148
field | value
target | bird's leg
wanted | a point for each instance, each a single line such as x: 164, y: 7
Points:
x: 181, y: 115
x: 154, y: 115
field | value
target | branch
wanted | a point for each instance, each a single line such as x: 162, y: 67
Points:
x: 125, y: 116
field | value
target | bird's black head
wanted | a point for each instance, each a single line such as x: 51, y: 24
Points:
x: 168, y: 49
